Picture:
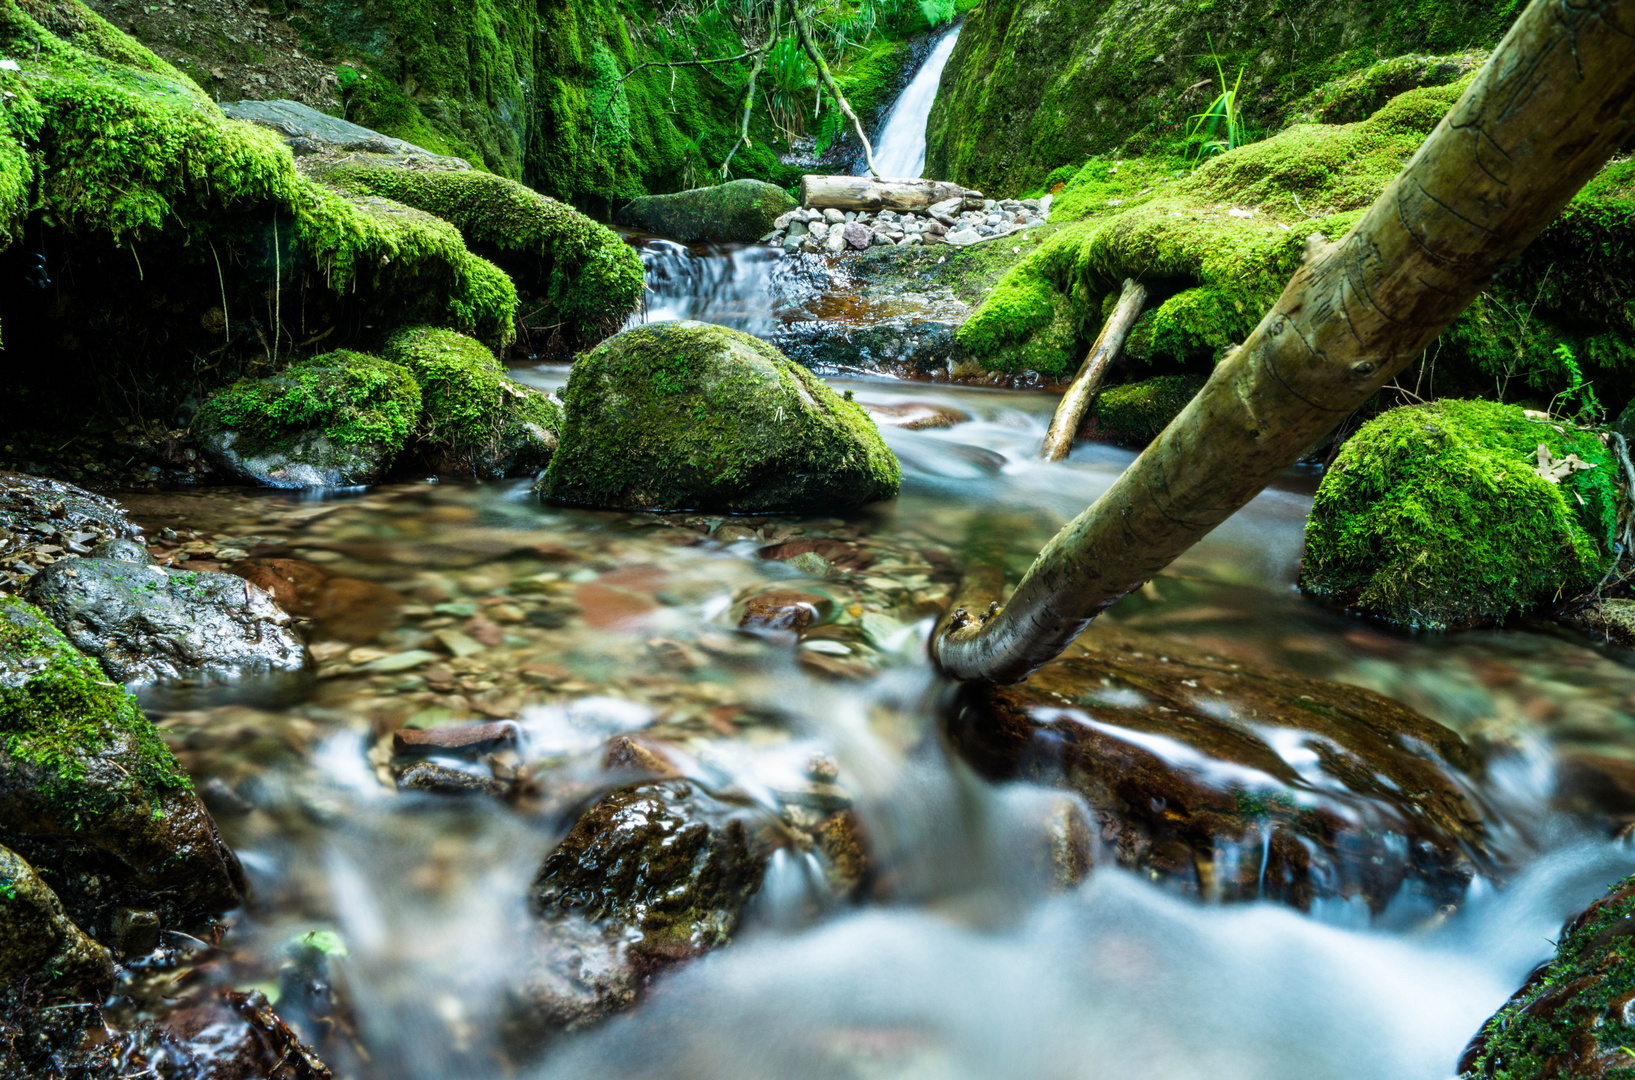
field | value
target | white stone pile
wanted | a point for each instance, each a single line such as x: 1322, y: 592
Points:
x: 833, y: 231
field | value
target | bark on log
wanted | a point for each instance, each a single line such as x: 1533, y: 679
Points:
x: 864, y: 193
x: 1109, y: 343
x: 1553, y: 102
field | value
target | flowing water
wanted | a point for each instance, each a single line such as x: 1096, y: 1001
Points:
x: 392, y: 928
x: 899, y: 153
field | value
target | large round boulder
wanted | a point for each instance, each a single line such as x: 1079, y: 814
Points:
x: 687, y: 416
x: 1461, y: 513
x: 741, y: 210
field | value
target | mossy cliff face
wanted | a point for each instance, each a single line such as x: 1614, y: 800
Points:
x: 1033, y: 86
x: 685, y: 416
x: 1572, y: 1018
x: 89, y: 794
x: 477, y: 421
x: 578, y: 280
x: 161, y: 205
x: 1440, y: 517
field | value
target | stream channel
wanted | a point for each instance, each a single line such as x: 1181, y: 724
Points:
x: 967, y: 957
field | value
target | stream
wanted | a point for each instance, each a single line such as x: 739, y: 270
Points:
x: 966, y: 960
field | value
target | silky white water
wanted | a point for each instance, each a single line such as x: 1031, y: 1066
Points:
x: 899, y: 152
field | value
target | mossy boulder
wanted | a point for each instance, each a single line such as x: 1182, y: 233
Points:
x: 1571, y: 1020
x: 687, y: 416
x: 476, y: 420
x: 1133, y: 414
x: 1442, y: 516
x: 89, y: 793
x: 39, y: 942
x: 741, y: 210
x: 578, y: 280
x: 334, y: 420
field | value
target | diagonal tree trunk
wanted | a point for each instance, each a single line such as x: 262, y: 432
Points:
x: 1553, y: 102
x: 1064, y: 425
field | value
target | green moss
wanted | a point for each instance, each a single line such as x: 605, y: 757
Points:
x: 1570, y: 1018
x: 1435, y: 517
x: 131, y: 150
x: 58, y: 710
x: 684, y: 415
x: 349, y: 397
x: 1133, y: 414
x: 475, y: 416
x: 582, y: 280
x: 741, y: 210
x: 1358, y: 95
x: 1033, y: 86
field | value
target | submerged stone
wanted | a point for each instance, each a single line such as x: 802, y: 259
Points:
x: 1573, y: 1018
x: 742, y: 210
x: 89, y: 793
x: 145, y: 624
x: 1461, y: 513
x: 336, y: 420
x: 1239, y: 782
x: 687, y: 416
x: 477, y: 421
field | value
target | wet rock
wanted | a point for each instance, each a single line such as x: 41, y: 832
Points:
x: 131, y: 551
x: 1572, y: 1019
x: 683, y: 415
x: 438, y: 779
x: 858, y: 237
x: 145, y: 624
x: 837, y: 552
x: 1240, y: 782
x: 625, y: 754
x: 337, y: 420
x: 740, y: 210
x: 213, y: 1042
x: 782, y: 612
x: 662, y: 864
x: 37, y: 939
x: 454, y: 738
x: 916, y: 416
x: 90, y: 795
x: 1608, y: 620
x: 44, y: 520
x: 344, y: 608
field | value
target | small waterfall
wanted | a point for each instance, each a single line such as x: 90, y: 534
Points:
x: 899, y: 153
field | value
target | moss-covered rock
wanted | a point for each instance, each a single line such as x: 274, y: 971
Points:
x: 189, y: 234
x: 1133, y: 414
x: 89, y: 793
x: 686, y: 416
x: 1034, y: 85
x: 578, y: 280
x: 334, y: 420
x: 38, y: 941
x: 741, y: 210
x: 1571, y: 1019
x: 477, y: 421
x: 1359, y: 95
x: 1440, y: 516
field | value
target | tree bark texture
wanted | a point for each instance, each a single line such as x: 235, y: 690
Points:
x: 1553, y: 102
x: 864, y: 193
x: 804, y: 28
x: 1109, y: 343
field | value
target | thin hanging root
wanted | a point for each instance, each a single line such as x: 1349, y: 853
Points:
x: 226, y: 320
x: 278, y: 291
x: 803, y: 25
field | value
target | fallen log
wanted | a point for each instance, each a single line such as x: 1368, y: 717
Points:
x: 1065, y: 424
x: 866, y: 193
x: 1550, y: 106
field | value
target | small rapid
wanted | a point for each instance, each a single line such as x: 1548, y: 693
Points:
x: 899, y: 152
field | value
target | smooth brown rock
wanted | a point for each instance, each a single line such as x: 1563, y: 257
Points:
x: 1238, y: 781
x: 454, y: 738
x: 915, y: 416
x: 346, y: 609
x: 845, y: 556
x: 787, y: 612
